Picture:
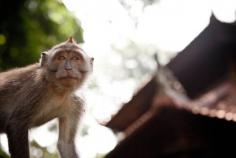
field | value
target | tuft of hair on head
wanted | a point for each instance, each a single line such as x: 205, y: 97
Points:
x: 71, y: 40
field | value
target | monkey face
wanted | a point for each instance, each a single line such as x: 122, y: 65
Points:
x: 70, y: 67
x: 68, y: 64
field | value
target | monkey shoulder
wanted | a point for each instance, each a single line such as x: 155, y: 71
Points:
x: 18, y: 76
x: 15, y: 82
x: 19, y: 71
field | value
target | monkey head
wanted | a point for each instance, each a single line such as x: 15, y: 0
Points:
x: 66, y: 64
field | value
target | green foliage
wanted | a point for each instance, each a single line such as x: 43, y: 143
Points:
x: 3, y: 154
x: 100, y: 156
x: 28, y: 27
x: 40, y: 152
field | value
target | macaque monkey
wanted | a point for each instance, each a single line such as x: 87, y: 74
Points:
x: 33, y: 95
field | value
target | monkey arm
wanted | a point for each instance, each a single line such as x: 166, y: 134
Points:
x: 67, y: 132
x: 17, y: 134
x: 68, y: 124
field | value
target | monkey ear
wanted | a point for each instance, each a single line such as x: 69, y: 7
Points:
x: 43, y: 59
x: 71, y: 40
x: 91, y: 61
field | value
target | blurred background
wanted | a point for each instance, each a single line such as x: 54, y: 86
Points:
x: 122, y: 36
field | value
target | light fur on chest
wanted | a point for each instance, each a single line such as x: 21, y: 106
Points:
x: 49, y: 110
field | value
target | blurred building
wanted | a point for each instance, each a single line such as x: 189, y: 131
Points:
x: 188, y: 109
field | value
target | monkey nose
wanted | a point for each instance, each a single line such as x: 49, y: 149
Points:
x: 68, y: 69
x: 67, y: 66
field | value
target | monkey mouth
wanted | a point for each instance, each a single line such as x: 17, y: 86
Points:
x: 68, y: 78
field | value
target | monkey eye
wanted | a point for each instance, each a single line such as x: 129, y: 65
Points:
x: 61, y: 58
x: 75, y: 58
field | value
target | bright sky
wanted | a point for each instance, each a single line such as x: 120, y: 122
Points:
x: 167, y: 26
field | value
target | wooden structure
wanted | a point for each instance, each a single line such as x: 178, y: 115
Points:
x: 162, y: 121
